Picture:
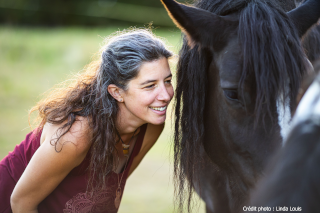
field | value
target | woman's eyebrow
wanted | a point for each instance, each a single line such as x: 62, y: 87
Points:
x: 168, y: 76
x: 147, y: 82
x: 150, y: 81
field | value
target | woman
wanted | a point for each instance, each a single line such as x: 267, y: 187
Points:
x: 93, y: 133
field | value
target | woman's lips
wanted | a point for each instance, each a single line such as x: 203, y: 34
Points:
x: 159, y: 110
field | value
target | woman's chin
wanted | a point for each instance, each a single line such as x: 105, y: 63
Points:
x: 158, y: 121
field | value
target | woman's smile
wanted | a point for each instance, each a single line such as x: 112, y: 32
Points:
x: 159, y: 110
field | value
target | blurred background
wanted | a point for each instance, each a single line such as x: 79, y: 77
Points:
x: 43, y: 42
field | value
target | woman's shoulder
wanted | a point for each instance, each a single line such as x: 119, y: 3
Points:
x: 79, y: 135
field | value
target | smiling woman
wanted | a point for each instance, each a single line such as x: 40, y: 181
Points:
x: 150, y: 92
x: 93, y: 133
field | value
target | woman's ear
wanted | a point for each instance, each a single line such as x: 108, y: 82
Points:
x: 115, y: 92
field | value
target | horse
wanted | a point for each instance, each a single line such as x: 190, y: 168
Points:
x: 238, y: 75
x: 291, y: 180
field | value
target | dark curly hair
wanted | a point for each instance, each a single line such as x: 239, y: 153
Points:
x: 120, y: 61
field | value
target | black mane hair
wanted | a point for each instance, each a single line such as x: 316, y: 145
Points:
x: 272, y: 53
x: 311, y: 44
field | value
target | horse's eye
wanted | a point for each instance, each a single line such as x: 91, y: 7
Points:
x: 231, y: 94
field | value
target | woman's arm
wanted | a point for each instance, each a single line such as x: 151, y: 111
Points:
x: 47, y: 168
x: 151, y: 136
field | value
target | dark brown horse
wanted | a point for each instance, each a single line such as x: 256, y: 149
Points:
x: 238, y: 77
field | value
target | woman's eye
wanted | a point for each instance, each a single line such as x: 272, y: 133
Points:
x: 168, y: 81
x: 149, y: 86
x: 231, y: 94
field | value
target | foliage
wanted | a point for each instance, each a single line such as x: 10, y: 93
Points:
x: 83, y: 12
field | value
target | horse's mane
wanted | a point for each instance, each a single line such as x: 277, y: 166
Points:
x: 311, y: 43
x: 271, y: 52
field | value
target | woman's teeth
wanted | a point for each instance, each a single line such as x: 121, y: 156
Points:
x: 159, y: 108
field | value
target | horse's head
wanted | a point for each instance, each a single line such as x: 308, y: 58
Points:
x: 238, y: 76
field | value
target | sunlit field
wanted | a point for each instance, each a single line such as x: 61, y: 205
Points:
x: 32, y: 60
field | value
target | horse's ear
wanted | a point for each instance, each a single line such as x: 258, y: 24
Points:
x: 305, y: 15
x: 200, y: 26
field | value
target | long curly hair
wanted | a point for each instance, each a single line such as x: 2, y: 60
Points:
x: 87, y: 96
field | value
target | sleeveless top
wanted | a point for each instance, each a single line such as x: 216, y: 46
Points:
x: 70, y: 195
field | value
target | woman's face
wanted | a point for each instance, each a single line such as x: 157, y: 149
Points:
x: 149, y: 94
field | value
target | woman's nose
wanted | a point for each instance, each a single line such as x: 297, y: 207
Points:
x: 164, y: 94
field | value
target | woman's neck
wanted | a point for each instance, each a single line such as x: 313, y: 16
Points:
x: 126, y: 124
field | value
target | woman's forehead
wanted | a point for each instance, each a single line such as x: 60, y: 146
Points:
x: 154, y: 69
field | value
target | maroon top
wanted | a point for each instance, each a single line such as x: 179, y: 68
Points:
x: 69, y: 196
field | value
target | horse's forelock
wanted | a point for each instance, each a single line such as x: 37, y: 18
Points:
x: 271, y: 53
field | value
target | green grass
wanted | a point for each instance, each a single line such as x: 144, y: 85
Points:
x: 32, y: 60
